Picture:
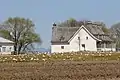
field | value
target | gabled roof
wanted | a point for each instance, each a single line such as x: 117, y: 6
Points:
x: 64, y: 34
x: 3, y: 40
x: 94, y: 28
x: 103, y: 37
x: 87, y: 32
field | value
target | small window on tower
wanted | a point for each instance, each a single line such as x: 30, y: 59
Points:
x: 62, y: 47
x: 78, y: 38
x: 86, y: 38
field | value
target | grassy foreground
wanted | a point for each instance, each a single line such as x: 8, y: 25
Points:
x: 62, y: 66
x: 74, y: 56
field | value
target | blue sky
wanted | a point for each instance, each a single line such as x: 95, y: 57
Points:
x: 45, y: 12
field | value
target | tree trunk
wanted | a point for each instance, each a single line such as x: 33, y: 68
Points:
x: 19, y: 48
x: 15, y: 40
x: 15, y: 49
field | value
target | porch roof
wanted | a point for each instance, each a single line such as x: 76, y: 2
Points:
x: 3, y: 40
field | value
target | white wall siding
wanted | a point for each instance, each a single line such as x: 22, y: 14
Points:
x: 57, y: 48
x: 6, y: 48
x: 106, y: 49
x: 90, y: 43
x: 5, y: 53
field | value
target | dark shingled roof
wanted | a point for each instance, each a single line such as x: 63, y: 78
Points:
x: 103, y: 37
x: 94, y: 29
x: 63, y: 34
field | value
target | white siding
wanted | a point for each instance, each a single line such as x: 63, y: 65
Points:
x: 90, y: 43
x: 107, y: 49
x: 6, y: 48
x: 57, y: 48
x: 3, y: 53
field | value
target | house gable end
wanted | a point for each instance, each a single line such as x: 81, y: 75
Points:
x: 82, y: 27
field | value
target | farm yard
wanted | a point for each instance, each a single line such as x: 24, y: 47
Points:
x: 61, y: 66
x: 60, y: 40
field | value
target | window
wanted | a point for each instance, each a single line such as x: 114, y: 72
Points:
x: 3, y: 49
x: 0, y: 49
x: 10, y: 48
x: 83, y: 45
x: 78, y: 38
x: 62, y: 47
x: 86, y: 38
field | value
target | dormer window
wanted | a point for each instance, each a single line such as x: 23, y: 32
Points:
x: 86, y: 38
x: 54, y: 24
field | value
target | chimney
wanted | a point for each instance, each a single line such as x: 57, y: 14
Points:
x: 54, y: 24
x: 89, y: 22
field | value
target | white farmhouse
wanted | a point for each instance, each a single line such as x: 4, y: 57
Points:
x: 6, y: 46
x: 85, y: 38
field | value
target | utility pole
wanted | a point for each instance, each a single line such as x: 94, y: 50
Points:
x: 79, y: 42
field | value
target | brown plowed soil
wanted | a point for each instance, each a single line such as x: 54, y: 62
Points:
x: 60, y: 70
